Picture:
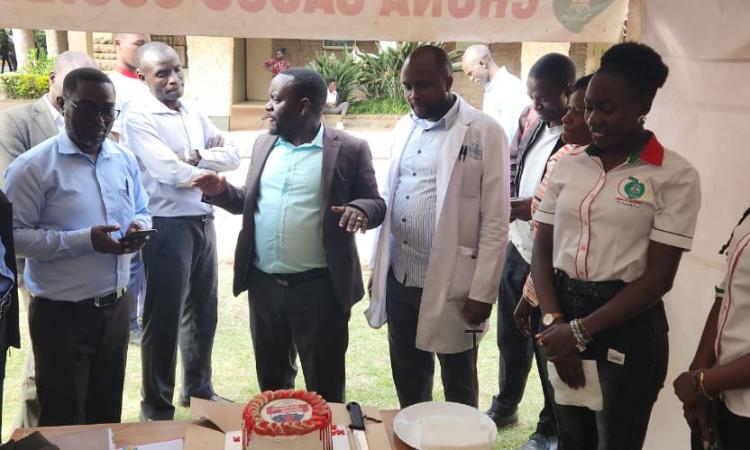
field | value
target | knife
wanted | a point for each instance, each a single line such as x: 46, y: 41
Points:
x: 358, y: 425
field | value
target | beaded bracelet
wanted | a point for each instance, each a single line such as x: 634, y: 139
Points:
x: 580, y: 334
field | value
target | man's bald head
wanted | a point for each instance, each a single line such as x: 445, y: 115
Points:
x: 126, y: 47
x: 160, y: 68
x: 477, y: 63
x: 65, y: 63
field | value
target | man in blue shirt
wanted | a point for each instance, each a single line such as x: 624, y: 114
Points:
x: 76, y: 196
x: 309, y: 189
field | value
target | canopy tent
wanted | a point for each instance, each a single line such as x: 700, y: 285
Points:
x: 701, y: 112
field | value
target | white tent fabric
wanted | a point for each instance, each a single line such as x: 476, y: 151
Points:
x: 702, y: 113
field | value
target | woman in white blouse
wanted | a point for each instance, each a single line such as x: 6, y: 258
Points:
x: 613, y: 224
x: 715, y: 392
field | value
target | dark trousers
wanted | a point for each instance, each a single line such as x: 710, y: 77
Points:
x: 517, y: 350
x: 302, y: 319
x: 181, y: 305
x: 729, y: 431
x: 3, y: 359
x: 413, y: 369
x: 80, y: 352
x: 629, y: 390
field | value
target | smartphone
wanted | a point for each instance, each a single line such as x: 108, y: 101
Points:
x: 141, y: 234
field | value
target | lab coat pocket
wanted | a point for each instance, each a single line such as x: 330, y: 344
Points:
x: 463, y: 273
x: 471, y: 178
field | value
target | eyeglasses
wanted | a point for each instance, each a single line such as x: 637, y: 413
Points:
x: 89, y: 110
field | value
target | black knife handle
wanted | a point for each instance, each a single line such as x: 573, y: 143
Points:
x: 355, y: 411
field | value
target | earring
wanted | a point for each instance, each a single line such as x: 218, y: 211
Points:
x: 642, y: 120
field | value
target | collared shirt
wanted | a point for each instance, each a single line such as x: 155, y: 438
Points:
x: 603, y: 221
x: 733, y: 340
x: 58, y: 195
x: 528, y: 289
x: 127, y: 89
x: 533, y: 171
x: 414, y: 202
x: 162, y: 139
x: 505, y: 99
x: 59, y: 121
x: 288, y: 220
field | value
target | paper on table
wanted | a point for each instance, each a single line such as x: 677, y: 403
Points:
x: 589, y: 396
x: 339, y: 437
x: 447, y: 433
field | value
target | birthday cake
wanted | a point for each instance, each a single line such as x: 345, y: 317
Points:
x: 293, y: 419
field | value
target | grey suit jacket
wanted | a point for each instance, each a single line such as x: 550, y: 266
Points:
x: 347, y: 178
x: 22, y: 128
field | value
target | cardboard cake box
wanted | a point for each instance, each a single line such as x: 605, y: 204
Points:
x: 215, y: 426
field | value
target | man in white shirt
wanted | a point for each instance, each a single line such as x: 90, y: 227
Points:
x: 332, y: 105
x: 504, y: 93
x: 22, y: 128
x: 128, y: 88
x: 127, y: 84
x: 175, y: 143
x: 549, y: 83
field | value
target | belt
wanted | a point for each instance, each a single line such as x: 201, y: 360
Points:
x: 598, y: 289
x: 99, y: 302
x: 294, y: 279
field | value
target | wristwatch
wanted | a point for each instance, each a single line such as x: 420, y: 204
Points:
x: 549, y: 318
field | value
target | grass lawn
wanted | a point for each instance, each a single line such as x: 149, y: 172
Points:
x: 368, y: 369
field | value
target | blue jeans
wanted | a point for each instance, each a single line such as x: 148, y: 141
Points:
x: 629, y: 389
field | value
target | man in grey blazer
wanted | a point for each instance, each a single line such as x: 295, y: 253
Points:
x: 309, y: 189
x: 22, y: 128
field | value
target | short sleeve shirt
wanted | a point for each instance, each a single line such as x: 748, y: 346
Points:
x: 733, y: 340
x: 603, y: 221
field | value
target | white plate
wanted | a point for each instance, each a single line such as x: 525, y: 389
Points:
x: 407, y: 422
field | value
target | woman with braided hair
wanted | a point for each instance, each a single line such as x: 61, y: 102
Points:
x: 614, y: 222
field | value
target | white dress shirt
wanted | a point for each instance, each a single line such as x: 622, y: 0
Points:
x: 58, y: 195
x: 162, y: 139
x: 505, y: 98
x: 127, y: 89
x: 604, y: 221
x: 533, y: 171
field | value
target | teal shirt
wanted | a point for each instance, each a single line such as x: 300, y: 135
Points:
x: 288, y: 220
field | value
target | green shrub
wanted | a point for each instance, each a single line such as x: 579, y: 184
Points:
x: 23, y: 85
x: 381, y: 71
x: 345, y: 71
x: 385, y: 105
x: 32, y: 81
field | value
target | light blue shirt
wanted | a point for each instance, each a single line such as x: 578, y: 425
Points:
x: 288, y: 220
x: 414, y: 202
x: 58, y: 194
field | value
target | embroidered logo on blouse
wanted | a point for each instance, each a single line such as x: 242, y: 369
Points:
x: 630, y: 191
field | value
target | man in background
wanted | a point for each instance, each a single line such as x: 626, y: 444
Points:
x: 129, y: 87
x: 175, y: 143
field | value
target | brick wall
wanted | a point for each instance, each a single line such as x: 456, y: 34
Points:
x: 508, y: 55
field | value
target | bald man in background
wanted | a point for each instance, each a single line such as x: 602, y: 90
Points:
x: 22, y: 128
x: 127, y: 85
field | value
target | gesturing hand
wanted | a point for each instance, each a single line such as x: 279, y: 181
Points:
x: 476, y: 312
x: 103, y: 242
x: 211, y: 184
x: 133, y: 245
x: 352, y: 218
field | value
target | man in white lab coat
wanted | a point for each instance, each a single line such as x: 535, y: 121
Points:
x: 439, y: 252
